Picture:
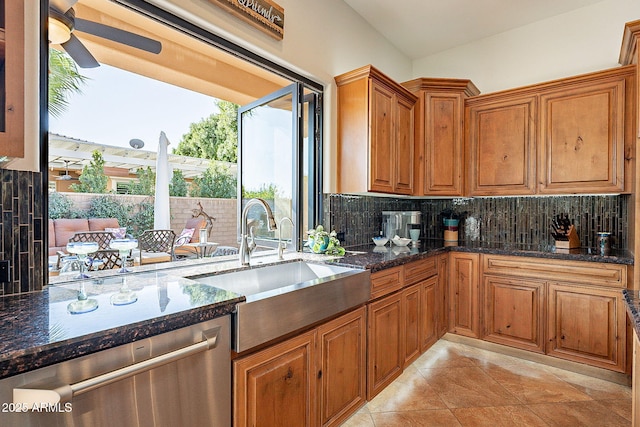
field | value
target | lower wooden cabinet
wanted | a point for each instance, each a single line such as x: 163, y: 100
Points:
x: 314, y: 379
x: 343, y: 379
x: 412, y: 323
x: 442, y: 295
x: 385, y: 336
x: 429, y: 312
x: 464, y: 316
x: 276, y: 386
x: 587, y: 324
x: 635, y: 381
x: 514, y: 312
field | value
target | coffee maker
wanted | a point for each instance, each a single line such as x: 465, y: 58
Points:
x: 400, y: 222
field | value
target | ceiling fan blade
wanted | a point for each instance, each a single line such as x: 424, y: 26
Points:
x: 118, y: 35
x: 79, y: 53
x: 62, y: 5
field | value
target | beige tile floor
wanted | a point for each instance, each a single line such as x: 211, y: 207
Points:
x: 453, y: 384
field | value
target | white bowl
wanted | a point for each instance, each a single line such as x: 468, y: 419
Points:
x: 400, y: 241
x: 380, y: 241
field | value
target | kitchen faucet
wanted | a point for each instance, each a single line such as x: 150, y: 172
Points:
x: 245, y: 248
x: 281, y: 248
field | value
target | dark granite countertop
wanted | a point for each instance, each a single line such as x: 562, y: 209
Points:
x: 632, y: 300
x: 38, y: 331
x: 380, y: 258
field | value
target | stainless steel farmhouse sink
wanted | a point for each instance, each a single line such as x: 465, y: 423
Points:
x: 285, y: 297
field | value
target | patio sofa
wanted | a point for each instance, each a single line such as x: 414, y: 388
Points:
x: 61, y: 230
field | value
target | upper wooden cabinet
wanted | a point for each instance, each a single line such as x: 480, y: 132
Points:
x: 12, y: 78
x: 375, y: 134
x: 569, y: 136
x: 439, y: 125
x: 582, y: 137
x: 502, y: 144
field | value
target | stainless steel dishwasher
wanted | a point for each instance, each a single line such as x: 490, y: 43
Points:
x: 179, y: 378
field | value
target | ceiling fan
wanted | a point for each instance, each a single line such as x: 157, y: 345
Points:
x: 63, y: 22
x: 66, y: 176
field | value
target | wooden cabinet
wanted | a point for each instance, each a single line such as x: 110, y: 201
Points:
x: 314, y: 379
x: 386, y: 281
x: 375, y: 133
x: 442, y: 295
x: 573, y: 135
x: 587, y: 324
x: 343, y: 382
x: 464, y: 316
x: 429, y: 329
x: 439, y: 154
x: 582, y: 137
x: 502, y: 146
x: 412, y: 313
x: 12, y: 79
x: 385, y: 337
x: 635, y: 381
x: 568, y: 309
x: 277, y: 386
x: 514, y: 312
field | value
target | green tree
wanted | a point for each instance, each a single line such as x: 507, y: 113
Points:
x: 64, y: 80
x: 266, y: 192
x: 146, y: 183
x: 214, y: 137
x: 215, y: 182
x: 93, y: 179
x: 110, y: 206
x: 178, y: 186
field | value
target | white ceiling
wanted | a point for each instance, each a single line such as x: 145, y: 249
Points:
x: 419, y: 28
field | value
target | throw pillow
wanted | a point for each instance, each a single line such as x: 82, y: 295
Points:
x: 185, y: 236
x: 118, y: 233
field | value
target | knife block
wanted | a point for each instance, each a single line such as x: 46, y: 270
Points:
x: 573, y: 241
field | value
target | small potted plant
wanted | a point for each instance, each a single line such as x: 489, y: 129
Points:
x: 322, y: 242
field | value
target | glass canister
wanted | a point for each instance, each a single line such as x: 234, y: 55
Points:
x: 603, y: 242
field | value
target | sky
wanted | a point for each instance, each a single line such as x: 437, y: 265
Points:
x: 135, y: 107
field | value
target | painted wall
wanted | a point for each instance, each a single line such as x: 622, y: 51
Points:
x: 585, y: 40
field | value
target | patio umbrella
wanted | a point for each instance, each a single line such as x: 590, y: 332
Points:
x: 161, y: 214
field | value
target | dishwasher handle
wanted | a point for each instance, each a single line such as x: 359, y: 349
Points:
x: 52, y: 391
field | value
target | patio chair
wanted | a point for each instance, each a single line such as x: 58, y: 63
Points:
x: 156, y: 246
x: 109, y: 257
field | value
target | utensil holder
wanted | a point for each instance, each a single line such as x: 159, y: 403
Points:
x: 572, y: 241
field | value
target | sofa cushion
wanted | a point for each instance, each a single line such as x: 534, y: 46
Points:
x: 196, y: 223
x: 99, y: 224
x: 65, y: 228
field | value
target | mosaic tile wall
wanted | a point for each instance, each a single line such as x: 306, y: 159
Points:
x: 518, y: 221
x: 22, y: 230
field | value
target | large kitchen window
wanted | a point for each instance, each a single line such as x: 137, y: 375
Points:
x: 280, y: 111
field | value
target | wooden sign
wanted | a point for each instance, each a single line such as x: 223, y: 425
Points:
x: 265, y: 15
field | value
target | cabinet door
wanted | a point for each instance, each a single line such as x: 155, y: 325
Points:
x: 428, y: 313
x: 587, y: 324
x: 382, y: 136
x: 514, y: 312
x: 464, y: 316
x: 12, y: 79
x: 404, y: 143
x: 582, y: 138
x: 342, y: 373
x: 411, y: 321
x: 442, y: 295
x: 443, y: 162
x: 384, y: 343
x: 276, y: 386
x: 502, y: 144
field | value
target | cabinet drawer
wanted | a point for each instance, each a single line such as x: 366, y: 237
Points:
x: 416, y: 271
x: 582, y: 272
x: 386, y: 281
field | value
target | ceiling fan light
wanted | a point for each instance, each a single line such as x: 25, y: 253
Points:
x: 58, y: 32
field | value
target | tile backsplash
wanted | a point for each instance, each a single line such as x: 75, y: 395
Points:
x: 523, y: 221
x: 22, y: 230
